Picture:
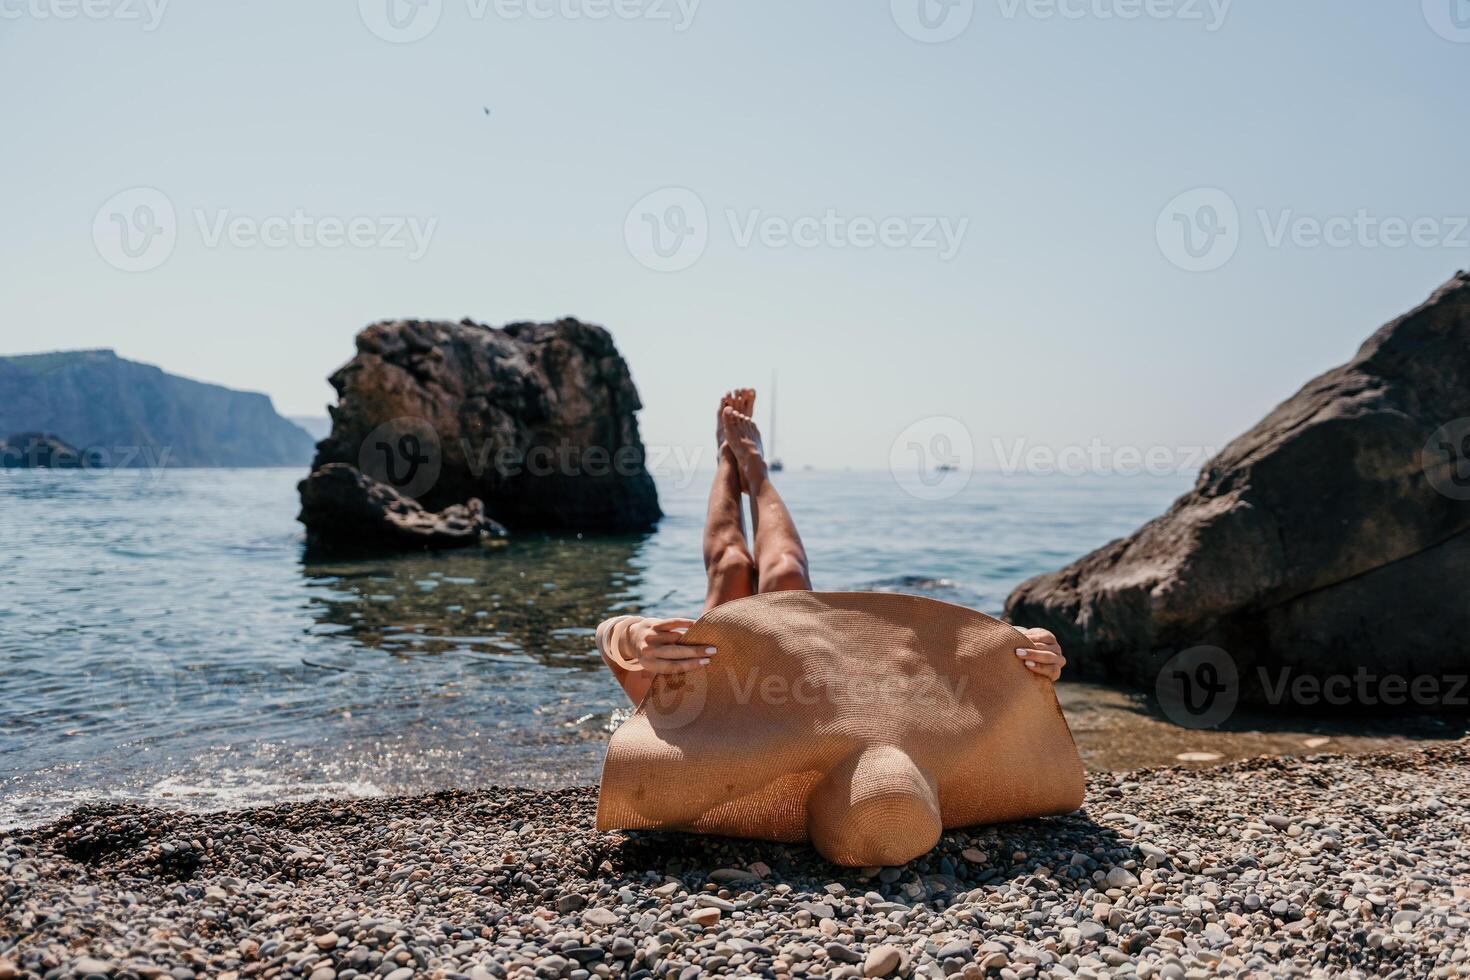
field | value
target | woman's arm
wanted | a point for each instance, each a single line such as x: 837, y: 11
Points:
x: 636, y: 649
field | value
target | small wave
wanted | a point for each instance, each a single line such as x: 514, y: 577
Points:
x: 253, y: 787
x: 226, y: 791
x: 945, y: 589
x: 914, y: 583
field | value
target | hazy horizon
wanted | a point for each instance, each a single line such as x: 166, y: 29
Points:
x: 1057, y: 222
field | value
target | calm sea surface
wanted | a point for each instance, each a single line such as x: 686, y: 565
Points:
x: 162, y: 639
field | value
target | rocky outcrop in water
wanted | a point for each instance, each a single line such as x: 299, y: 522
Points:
x: 122, y: 413
x: 347, y: 511
x: 38, y: 450
x: 535, y: 420
x: 1331, y: 539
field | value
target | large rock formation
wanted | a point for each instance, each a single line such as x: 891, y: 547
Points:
x: 1333, y: 538
x: 535, y: 420
x: 347, y: 512
x: 122, y: 413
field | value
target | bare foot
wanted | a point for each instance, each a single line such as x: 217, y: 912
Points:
x: 742, y: 400
x: 728, y: 400
x: 744, y: 440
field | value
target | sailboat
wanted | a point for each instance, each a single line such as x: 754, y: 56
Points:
x: 775, y: 465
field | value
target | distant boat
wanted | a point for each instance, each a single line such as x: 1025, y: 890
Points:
x: 945, y: 468
x: 775, y: 465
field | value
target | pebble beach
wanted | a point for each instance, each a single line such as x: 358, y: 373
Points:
x: 1316, y: 866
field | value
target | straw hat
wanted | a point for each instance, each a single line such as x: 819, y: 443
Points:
x: 864, y: 722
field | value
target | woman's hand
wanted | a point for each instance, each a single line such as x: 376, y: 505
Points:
x: 654, y: 645
x: 1046, y: 659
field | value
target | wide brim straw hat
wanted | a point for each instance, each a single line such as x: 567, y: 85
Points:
x: 865, y: 723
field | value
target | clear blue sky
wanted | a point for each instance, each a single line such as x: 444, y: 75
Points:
x: 1058, y: 137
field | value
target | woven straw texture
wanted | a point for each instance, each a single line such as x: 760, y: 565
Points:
x: 863, y: 722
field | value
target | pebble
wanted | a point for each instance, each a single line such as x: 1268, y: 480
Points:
x: 959, y: 949
x: 705, y: 916
x: 601, y: 918
x: 882, y: 961
x: 1326, y: 866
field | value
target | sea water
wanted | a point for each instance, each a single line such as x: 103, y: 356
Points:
x: 162, y: 639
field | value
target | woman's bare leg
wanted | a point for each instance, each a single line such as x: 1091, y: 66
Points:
x: 727, y: 558
x: 780, y: 557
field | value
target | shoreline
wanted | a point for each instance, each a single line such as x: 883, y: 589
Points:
x: 1356, y: 865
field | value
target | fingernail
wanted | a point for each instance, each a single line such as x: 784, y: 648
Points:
x: 704, y: 661
x: 1030, y: 663
x: 1021, y: 652
x: 709, y: 649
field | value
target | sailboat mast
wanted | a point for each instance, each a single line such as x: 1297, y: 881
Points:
x: 773, y: 416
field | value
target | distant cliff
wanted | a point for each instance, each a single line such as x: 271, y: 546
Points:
x: 122, y: 413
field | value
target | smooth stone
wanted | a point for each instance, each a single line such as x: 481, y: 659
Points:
x: 882, y: 961
x: 960, y: 949
x: 705, y: 916
x: 601, y: 917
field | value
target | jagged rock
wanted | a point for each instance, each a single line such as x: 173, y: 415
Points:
x: 536, y: 420
x: 347, y: 511
x: 39, y: 450
x: 1332, y: 538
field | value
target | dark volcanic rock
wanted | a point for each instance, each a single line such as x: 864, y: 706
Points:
x: 347, y: 511
x: 122, y: 413
x: 1333, y: 538
x: 38, y: 450
x: 536, y: 420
